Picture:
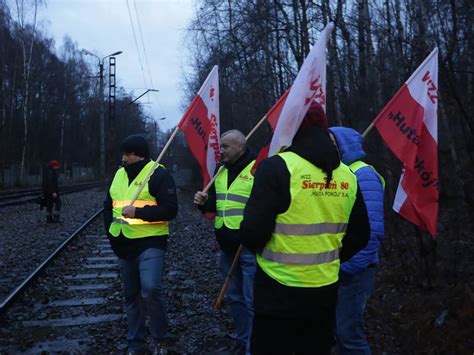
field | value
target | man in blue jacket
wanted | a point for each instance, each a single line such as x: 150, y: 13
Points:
x: 356, y: 277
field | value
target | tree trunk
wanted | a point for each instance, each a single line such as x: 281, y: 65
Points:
x: 27, y: 57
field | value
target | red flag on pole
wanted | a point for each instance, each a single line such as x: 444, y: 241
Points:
x: 200, y: 125
x: 409, y: 126
x: 286, y: 114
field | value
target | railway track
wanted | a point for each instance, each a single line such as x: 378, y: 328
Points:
x: 11, y: 198
x: 76, y: 304
x: 81, y: 283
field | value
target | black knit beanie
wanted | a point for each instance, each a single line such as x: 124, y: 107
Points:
x: 135, y: 144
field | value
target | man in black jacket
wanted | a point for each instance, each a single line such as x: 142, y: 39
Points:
x: 227, y: 197
x: 138, y: 235
x: 51, y: 192
x: 294, y: 312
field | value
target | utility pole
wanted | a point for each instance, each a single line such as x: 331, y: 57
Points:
x: 112, y: 87
x: 101, y: 107
x: 102, y: 119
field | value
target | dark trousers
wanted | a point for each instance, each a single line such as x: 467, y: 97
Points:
x: 274, y: 335
x: 51, y: 201
x: 354, y: 292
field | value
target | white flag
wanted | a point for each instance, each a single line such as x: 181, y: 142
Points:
x: 309, y: 85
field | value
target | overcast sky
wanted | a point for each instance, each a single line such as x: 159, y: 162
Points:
x: 103, y: 27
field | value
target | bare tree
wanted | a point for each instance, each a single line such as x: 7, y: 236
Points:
x: 27, y: 29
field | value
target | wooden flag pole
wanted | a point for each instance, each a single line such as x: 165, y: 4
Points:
x: 155, y: 165
x: 263, y: 119
x: 366, y: 132
x: 220, y: 298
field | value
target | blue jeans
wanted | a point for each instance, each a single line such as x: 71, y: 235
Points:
x: 239, y: 294
x: 354, y: 292
x: 141, y: 278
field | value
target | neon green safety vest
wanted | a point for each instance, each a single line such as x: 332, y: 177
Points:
x: 360, y: 164
x: 305, y: 245
x: 230, y: 202
x: 122, y: 194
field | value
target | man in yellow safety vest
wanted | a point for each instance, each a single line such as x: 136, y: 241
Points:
x: 305, y: 215
x: 227, y: 198
x: 138, y: 235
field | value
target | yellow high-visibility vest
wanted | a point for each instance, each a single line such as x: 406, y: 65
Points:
x: 230, y: 202
x: 305, y: 245
x: 360, y: 164
x: 122, y: 194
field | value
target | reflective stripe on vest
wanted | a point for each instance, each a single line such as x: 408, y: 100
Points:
x: 301, y: 259
x: 305, y: 245
x: 309, y: 229
x: 122, y: 194
x: 230, y: 202
x: 360, y: 164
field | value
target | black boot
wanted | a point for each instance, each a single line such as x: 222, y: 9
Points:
x: 49, y: 219
x: 56, y: 218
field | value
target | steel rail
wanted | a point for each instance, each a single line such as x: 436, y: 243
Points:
x: 16, y: 199
x: 6, y: 193
x: 13, y: 295
x: 37, y: 190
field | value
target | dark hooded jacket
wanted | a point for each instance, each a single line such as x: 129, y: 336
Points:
x: 270, y: 197
x: 50, y: 182
x: 161, y: 186
x: 228, y: 239
x: 370, y: 182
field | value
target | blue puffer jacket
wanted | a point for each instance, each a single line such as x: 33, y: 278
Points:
x: 350, y: 147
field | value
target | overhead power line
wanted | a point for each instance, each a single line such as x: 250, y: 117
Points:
x: 145, y: 56
x: 136, y: 43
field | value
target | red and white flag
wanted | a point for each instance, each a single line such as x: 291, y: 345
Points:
x: 201, y: 127
x: 309, y: 85
x: 286, y: 115
x: 409, y: 126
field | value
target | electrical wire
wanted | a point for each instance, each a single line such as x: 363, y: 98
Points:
x: 136, y: 43
x: 143, y: 43
x: 155, y: 94
x: 145, y: 56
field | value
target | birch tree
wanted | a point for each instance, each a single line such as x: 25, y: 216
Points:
x: 26, y: 12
